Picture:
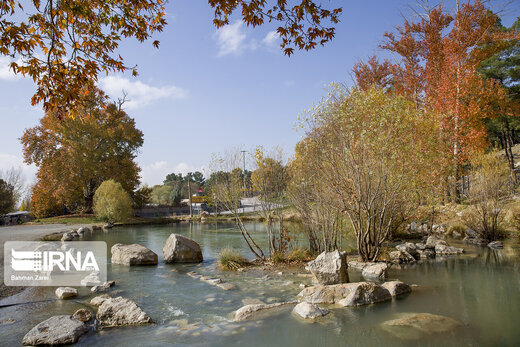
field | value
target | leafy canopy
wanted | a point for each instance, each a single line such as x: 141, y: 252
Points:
x: 63, y: 45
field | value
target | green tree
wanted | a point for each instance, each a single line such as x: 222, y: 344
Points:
x: 504, y: 67
x: 7, y: 197
x: 112, y: 203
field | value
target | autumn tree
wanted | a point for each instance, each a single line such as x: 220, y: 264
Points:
x: 63, y: 46
x: 375, y: 155
x: 437, y: 60
x: 75, y: 155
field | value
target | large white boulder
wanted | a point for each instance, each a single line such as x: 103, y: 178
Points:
x: 180, y: 249
x: 133, y: 254
x: 121, y: 311
x: 346, y: 294
x: 329, y: 268
x: 57, y: 330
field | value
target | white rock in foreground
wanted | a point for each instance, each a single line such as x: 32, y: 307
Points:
x: 120, y: 311
x: 66, y: 293
x: 329, y: 268
x: 309, y: 311
x: 57, y: 330
x: 347, y: 294
x: 259, y: 310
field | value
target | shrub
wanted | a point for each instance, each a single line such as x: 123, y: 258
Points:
x: 490, y: 184
x: 298, y: 255
x: 231, y: 259
x: 112, y: 203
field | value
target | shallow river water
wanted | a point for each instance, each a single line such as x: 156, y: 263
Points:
x: 480, y: 288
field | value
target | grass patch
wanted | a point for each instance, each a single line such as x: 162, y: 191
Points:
x: 92, y: 219
x: 299, y: 255
x: 231, y: 259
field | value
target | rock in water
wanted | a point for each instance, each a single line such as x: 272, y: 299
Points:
x: 397, y: 288
x: 180, y: 249
x: 346, y: 294
x: 103, y: 287
x: 400, y: 257
x: 441, y: 249
x: 409, y: 248
x: 433, y: 241
x: 496, y: 245
x: 416, y: 325
x: 309, y: 311
x: 259, y: 310
x: 329, y: 268
x: 66, y: 293
x: 364, y: 294
x: 57, y: 330
x: 375, y: 271
x: 134, y: 254
x: 120, y: 311
x: 83, y: 315
x: 98, y: 300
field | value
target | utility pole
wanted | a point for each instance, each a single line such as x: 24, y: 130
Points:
x: 189, y: 193
x: 244, y: 172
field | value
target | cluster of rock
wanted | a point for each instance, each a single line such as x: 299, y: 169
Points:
x: 410, y: 252
x: 75, y: 234
x: 177, y: 249
x: 472, y: 237
x: 214, y: 281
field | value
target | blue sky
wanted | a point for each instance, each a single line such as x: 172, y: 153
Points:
x: 205, y: 91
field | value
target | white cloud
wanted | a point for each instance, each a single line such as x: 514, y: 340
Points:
x: 6, y: 73
x: 231, y: 39
x: 271, y: 39
x: 156, y: 173
x: 139, y: 94
x: 8, y: 161
x: 289, y: 83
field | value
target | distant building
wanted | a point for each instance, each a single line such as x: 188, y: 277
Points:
x: 15, y: 218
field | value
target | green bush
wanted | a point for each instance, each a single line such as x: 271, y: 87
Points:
x: 231, y: 259
x: 112, y: 203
